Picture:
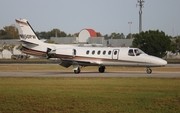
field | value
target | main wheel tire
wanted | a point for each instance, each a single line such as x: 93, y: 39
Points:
x: 101, y: 69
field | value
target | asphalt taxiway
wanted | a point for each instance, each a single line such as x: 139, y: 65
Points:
x: 91, y: 74
x: 154, y: 74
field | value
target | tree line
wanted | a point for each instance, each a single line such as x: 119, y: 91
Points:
x: 153, y: 42
x: 11, y: 32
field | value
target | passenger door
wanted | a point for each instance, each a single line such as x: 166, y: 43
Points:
x: 115, y: 54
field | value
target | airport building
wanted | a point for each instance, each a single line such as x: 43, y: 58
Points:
x: 88, y: 37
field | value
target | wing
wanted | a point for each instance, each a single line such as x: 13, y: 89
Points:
x: 68, y: 62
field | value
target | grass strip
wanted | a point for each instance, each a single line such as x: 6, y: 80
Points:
x: 89, y: 95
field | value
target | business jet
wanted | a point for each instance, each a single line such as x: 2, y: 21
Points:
x: 84, y: 56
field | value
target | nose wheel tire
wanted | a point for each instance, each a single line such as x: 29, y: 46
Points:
x: 148, y: 70
x: 77, y: 71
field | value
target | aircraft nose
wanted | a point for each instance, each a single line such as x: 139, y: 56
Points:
x: 159, y: 62
x: 163, y: 62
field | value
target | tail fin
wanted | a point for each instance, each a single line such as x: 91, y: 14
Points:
x: 26, y: 33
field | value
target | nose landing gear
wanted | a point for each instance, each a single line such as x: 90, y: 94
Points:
x: 148, y: 70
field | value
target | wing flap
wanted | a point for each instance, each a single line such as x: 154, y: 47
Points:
x: 65, y: 64
x: 68, y: 62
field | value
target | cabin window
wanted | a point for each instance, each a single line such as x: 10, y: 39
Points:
x: 115, y: 52
x: 131, y: 53
x: 104, y: 52
x: 98, y: 52
x: 109, y: 52
x: 93, y: 52
x: 87, y: 52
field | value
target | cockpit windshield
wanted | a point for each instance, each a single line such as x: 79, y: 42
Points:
x: 138, y: 52
x: 135, y: 52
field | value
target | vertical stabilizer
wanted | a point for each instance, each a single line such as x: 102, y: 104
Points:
x: 26, y: 33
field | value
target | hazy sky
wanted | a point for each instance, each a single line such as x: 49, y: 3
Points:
x: 104, y: 16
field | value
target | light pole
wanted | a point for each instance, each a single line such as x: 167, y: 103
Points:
x: 140, y: 4
x: 130, y: 29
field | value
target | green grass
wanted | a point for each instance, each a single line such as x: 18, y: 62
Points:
x: 89, y: 95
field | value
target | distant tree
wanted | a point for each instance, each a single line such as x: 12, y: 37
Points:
x: 153, y: 42
x: 69, y: 35
x: 114, y: 36
x: 98, y: 34
x: 52, y: 33
x: 2, y: 34
x: 122, y: 36
x: 56, y: 33
x: 9, y: 32
x: 106, y: 37
x: 129, y: 36
x: 76, y: 34
x: 175, y: 46
x: 42, y: 34
x: 62, y: 34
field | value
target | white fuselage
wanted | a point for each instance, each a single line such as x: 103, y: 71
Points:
x: 108, y: 56
x: 105, y: 56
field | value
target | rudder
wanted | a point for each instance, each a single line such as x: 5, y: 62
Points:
x: 26, y: 32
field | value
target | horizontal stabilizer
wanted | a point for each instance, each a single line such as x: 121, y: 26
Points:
x: 26, y: 42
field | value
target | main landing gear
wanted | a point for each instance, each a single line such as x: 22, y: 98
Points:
x: 77, y: 71
x: 148, y: 70
x: 101, y: 69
